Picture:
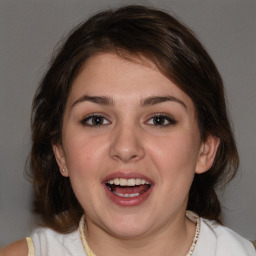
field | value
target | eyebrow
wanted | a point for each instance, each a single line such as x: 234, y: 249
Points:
x: 160, y: 99
x: 107, y: 101
x: 101, y: 100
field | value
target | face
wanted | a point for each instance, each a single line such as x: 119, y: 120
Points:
x: 130, y: 145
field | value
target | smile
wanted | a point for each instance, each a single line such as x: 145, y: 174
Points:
x: 128, y: 187
x: 128, y: 191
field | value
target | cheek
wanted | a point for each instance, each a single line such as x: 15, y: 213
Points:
x: 84, y: 154
x: 176, y: 154
x: 84, y: 158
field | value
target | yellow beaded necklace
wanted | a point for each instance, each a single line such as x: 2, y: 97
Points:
x: 192, y: 216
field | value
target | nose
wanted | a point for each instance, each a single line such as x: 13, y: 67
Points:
x: 126, y: 144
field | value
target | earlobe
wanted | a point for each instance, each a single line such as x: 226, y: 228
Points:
x: 60, y: 159
x: 207, y: 154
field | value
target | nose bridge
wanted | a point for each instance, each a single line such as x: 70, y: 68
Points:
x: 126, y: 142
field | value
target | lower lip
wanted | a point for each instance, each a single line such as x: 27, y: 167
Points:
x: 128, y: 201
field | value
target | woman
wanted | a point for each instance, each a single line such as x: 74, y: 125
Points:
x: 130, y: 138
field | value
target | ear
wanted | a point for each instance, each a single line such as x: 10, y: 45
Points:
x: 207, y: 153
x: 60, y: 159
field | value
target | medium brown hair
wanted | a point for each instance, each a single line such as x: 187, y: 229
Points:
x: 140, y: 32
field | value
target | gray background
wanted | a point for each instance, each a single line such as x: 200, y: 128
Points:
x: 29, y: 31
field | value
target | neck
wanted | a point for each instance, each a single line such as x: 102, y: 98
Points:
x: 174, y: 238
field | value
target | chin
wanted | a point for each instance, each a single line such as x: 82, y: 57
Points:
x: 129, y: 233
x: 129, y: 227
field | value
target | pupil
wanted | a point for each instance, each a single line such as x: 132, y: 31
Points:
x: 97, y: 120
x: 158, y: 120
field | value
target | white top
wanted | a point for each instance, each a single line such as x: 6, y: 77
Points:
x: 214, y: 240
x: 50, y: 243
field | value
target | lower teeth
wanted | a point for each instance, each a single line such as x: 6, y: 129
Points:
x: 126, y: 195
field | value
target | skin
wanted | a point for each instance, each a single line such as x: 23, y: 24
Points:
x: 167, y: 149
x: 15, y: 249
x: 129, y: 140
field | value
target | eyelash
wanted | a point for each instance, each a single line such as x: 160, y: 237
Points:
x: 161, y: 117
x: 88, y: 119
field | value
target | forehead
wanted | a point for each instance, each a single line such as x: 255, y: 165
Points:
x: 123, y: 78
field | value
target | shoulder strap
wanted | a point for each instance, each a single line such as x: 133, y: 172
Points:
x: 31, y: 250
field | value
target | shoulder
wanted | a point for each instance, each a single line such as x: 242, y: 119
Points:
x: 18, y: 248
x: 223, y: 241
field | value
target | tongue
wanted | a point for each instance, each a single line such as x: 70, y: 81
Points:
x: 129, y: 190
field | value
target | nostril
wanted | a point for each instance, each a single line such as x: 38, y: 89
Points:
x: 125, y: 151
x: 125, y: 156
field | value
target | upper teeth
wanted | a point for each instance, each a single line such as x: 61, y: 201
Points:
x: 127, y: 182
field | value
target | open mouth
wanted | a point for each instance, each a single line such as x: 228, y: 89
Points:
x: 128, y: 188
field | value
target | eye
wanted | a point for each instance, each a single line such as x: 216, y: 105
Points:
x: 161, y: 120
x: 95, y: 120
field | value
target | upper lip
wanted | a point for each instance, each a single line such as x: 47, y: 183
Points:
x: 127, y: 175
